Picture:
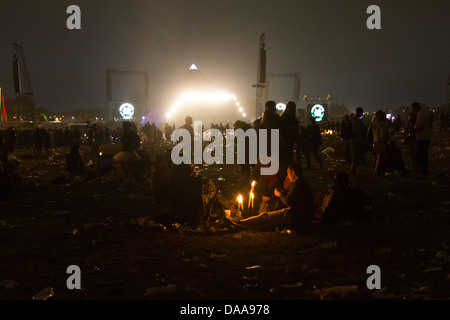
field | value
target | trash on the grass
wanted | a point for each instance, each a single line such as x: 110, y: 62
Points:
x: 293, y: 285
x: 44, y: 294
x: 340, y: 291
x: 254, y: 267
x: 167, y: 290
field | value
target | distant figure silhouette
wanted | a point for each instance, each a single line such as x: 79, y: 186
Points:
x: 128, y: 156
x: 313, y: 142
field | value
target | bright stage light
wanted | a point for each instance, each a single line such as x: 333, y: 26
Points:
x: 318, y: 112
x: 212, y: 99
x: 206, y: 96
x: 126, y: 110
x: 281, y: 106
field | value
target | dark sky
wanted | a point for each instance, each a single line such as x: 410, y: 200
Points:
x: 326, y: 41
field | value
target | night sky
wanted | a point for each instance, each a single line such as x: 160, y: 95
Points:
x: 326, y: 41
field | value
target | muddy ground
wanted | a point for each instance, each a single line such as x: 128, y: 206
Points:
x: 104, y: 229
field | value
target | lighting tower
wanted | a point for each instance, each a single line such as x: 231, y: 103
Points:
x: 261, y: 76
x: 21, y: 71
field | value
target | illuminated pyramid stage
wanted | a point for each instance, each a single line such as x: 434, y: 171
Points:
x: 199, y: 98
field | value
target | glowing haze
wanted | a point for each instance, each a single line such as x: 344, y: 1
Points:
x: 201, y: 100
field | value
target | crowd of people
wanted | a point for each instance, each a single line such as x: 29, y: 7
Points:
x: 378, y: 138
x: 284, y: 199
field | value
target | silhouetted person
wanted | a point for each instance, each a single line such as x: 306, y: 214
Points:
x: 423, y: 130
x: 394, y: 160
x: 397, y: 124
x: 313, y: 142
x: 245, y: 167
x: 128, y: 156
x: 301, y: 146
x: 342, y: 202
x: 346, y: 135
x: 289, y: 131
x: 271, y: 121
x: 359, y: 132
x: 381, y: 136
x: 74, y: 161
x: 188, y: 126
x: 298, y: 213
x: 38, y: 139
x: 410, y: 139
x: 76, y: 136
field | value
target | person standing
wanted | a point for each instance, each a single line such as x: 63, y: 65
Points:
x: 346, y: 134
x: 359, y: 132
x: 289, y: 131
x: 410, y: 140
x: 313, y: 142
x: 381, y: 136
x: 128, y: 156
x: 423, y: 130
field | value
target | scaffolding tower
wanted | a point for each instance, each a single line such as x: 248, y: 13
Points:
x: 261, y: 76
x: 20, y: 71
x: 296, y: 84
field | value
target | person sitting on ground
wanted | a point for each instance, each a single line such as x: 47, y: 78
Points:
x: 394, y: 159
x: 270, y: 202
x: 342, y: 202
x: 74, y: 161
x: 265, y: 184
x: 298, y: 213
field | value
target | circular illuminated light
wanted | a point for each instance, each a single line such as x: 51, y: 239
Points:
x: 281, y: 106
x: 126, y: 110
x: 318, y: 112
